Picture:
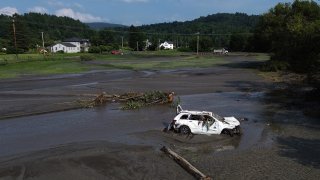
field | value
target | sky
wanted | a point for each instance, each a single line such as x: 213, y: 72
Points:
x: 136, y: 12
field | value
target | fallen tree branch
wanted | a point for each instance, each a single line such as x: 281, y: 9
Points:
x: 131, y: 100
x: 185, y: 164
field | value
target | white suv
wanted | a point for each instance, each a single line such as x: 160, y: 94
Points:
x: 203, y: 122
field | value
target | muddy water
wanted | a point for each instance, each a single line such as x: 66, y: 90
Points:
x: 142, y: 127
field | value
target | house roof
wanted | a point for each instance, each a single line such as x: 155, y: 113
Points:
x: 68, y: 44
x: 75, y: 39
x: 169, y: 42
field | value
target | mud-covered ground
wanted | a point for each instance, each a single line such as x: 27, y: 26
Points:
x: 108, y: 143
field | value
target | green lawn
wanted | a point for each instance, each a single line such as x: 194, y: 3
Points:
x: 41, y: 68
x: 37, y: 64
x: 165, y: 63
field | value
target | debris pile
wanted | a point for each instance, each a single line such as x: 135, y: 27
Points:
x: 131, y: 100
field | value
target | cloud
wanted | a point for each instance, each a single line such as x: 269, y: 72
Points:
x: 38, y: 9
x: 77, y: 5
x: 77, y: 15
x: 61, y: 4
x: 9, y: 11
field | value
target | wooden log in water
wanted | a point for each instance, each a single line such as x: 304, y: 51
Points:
x: 185, y: 164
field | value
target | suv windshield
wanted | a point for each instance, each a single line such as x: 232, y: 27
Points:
x: 218, y: 117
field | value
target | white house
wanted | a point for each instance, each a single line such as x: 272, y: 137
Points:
x: 71, y: 45
x: 166, y: 45
x: 66, y: 47
x: 84, y: 44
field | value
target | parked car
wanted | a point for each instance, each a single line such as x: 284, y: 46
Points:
x: 203, y: 122
x: 116, y: 52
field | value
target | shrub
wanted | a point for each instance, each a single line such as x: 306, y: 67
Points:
x: 184, y: 49
x: 87, y: 57
x: 274, y: 65
x: 3, y: 62
x: 94, y: 49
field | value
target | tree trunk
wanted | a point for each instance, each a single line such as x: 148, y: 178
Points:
x: 185, y: 164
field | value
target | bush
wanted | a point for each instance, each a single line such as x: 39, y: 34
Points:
x: 12, y: 50
x: 127, y: 49
x: 3, y: 62
x: 94, y: 49
x: 87, y: 57
x: 274, y: 65
x: 184, y: 49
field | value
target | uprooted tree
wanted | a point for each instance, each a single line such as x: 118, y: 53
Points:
x: 131, y: 100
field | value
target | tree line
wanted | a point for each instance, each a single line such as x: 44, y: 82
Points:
x: 28, y: 28
x: 289, y: 31
x: 226, y: 30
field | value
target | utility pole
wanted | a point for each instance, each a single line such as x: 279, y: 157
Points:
x: 146, y: 48
x: 43, y: 50
x: 14, y: 37
x: 42, y: 40
x: 137, y: 45
x: 122, y: 42
x: 197, y: 43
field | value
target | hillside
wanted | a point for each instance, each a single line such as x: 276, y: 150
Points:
x: 211, y: 24
x: 103, y: 25
x: 30, y: 25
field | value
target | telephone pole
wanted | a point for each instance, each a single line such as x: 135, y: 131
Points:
x: 197, y: 43
x: 15, y: 37
x: 122, y: 42
x: 42, y: 40
x: 137, y: 45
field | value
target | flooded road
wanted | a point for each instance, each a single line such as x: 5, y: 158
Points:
x: 112, y: 124
x: 278, y: 141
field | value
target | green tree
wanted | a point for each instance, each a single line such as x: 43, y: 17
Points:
x: 107, y: 37
x: 136, y: 37
x: 205, y: 44
x: 293, y: 31
x: 238, y: 42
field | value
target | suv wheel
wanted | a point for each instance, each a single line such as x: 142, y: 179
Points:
x: 228, y: 132
x: 184, y: 130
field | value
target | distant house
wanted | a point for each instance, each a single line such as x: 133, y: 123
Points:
x: 148, y: 44
x: 72, y: 45
x: 166, y: 45
x: 84, y: 43
x: 65, y: 47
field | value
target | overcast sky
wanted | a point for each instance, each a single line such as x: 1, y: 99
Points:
x: 136, y: 12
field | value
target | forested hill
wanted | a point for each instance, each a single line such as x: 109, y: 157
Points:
x: 103, y: 25
x: 211, y: 24
x: 30, y: 25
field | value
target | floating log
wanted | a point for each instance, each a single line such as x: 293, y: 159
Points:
x: 185, y: 164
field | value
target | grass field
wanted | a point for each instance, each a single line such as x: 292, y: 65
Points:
x: 37, y: 64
